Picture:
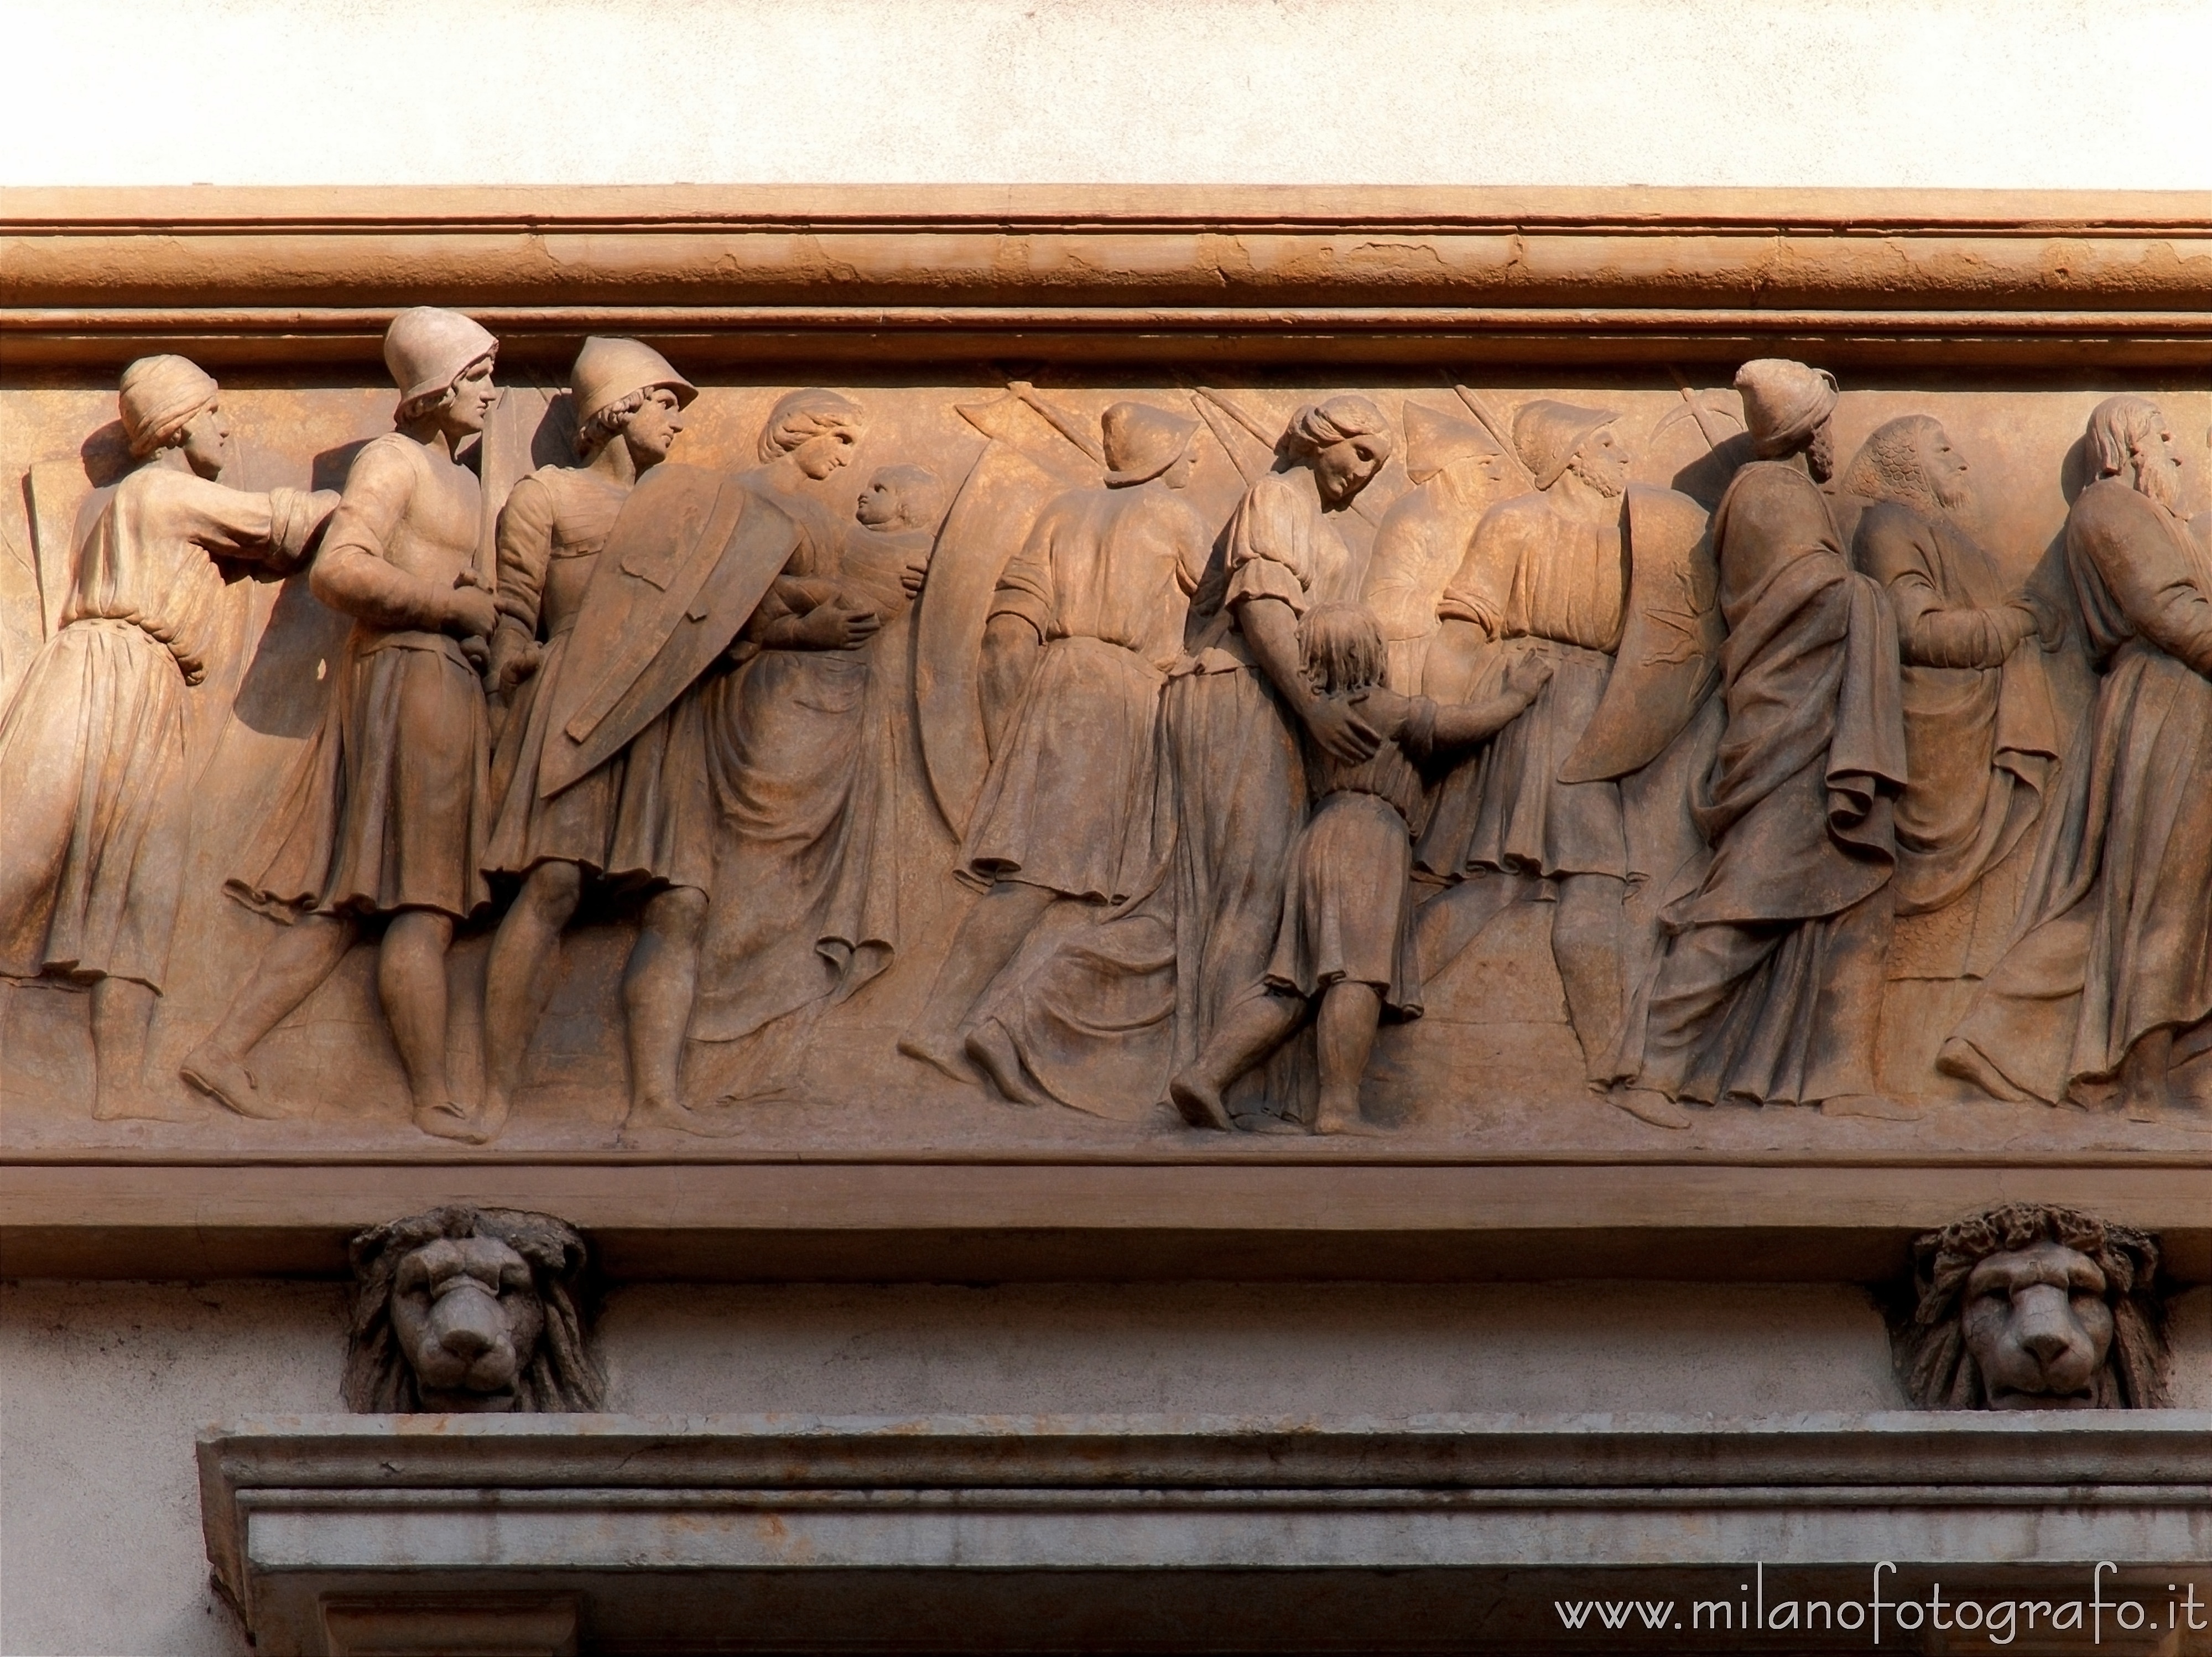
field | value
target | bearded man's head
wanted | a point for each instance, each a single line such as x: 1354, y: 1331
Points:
x: 1910, y: 461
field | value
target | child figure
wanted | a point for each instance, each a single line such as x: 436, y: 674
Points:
x: 1343, y: 952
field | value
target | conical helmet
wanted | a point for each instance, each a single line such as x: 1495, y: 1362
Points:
x: 426, y: 349
x: 607, y: 370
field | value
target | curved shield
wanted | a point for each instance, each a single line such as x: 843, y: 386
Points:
x: 988, y: 522
x: 688, y: 558
x: 1669, y: 656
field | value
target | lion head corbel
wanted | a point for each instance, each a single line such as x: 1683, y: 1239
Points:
x: 2034, y: 1308
x: 469, y: 1309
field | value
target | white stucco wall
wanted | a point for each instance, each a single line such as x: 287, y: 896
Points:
x: 2006, y: 94
x: 102, y: 1386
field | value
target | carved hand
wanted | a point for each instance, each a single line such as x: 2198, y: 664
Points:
x: 2048, y: 622
x: 840, y: 625
x: 515, y: 656
x: 1527, y: 676
x: 470, y: 611
x: 1341, y: 731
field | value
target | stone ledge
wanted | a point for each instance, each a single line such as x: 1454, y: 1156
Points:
x: 966, y: 1222
x: 1196, y: 1533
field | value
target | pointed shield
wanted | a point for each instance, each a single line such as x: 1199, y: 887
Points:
x: 1026, y: 464
x: 1671, y: 645
x: 687, y: 561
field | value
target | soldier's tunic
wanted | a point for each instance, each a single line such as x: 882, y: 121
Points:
x: 93, y: 745
x: 646, y: 817
x: 1533, y: 572
x: 1347, y: 900
x: 390, y: 806
x: 1102, y: 1019
x: 1068, y: 803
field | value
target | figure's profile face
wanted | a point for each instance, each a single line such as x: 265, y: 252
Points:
x: 2158, y: 468
x: 818, y: 457
x: 469, y: 405
x: 1602, y: 461
x: 468, y: 1318
x: 205, y: 442
x: 653, y: 429
x: 1342, y: 469
x: 1177, y: 476
x: 1945, y: 468
x: 2038, y: 1327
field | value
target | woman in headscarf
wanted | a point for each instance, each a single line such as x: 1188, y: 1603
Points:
x: 92, y: 748
x: 803, y: 906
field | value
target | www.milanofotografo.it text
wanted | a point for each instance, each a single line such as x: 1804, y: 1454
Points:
x: 2100, y: 1613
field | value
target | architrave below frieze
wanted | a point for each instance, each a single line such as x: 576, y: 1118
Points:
x: 1437, y: 402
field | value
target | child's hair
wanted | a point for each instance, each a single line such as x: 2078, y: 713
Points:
x: 1342, y: 645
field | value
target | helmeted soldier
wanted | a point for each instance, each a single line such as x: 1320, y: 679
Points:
x: 640, y: 822
x: 387, y: 817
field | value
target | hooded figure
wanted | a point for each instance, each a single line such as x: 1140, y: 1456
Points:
x: 1087, y: 619
x: 2112, y: 969
x: 1769, y: 985
x: 93, y: 745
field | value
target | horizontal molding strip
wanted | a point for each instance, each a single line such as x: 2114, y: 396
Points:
x: 871, y: 1222
x: 1105, y: 274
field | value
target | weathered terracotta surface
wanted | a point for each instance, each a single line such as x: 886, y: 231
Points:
x: 1494, y: 1066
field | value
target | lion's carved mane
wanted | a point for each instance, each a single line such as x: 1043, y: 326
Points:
x: 1933, y: 1360
x: 558, y: 1374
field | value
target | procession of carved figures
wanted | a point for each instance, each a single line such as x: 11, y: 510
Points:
x: 1235, y: 765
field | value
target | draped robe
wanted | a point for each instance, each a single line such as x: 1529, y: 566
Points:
x: 1769, y: 985
x: 2116, y: 934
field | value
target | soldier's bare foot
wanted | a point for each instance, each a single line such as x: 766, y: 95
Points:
x: 446, y: 1118
x: 1871, y: 1107
x: 228, y: 1082
x: 655, y: 1113
x: 1963, y: 1062
x: 1649, y: 1105
x: 133, y: 1104
x: 1339, y: 1120
x: 993, y: 1052
x: 1199, y: 1101
x: 942, y: 1053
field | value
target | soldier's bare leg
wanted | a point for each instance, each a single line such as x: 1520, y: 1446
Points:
x: 657, y: 986
x: 1586, y: 945
x: 993, y: 930
x: 122, y: 1013
x: 1248, y: 1032
x: 296, y: 963
x: 1456, y: 917
x: 518, y: 979
x: 411, y: 982
x: 1344, y: 1036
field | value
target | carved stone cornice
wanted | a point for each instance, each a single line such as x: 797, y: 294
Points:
x: 1199, y: 1534
x: 1101, y: 274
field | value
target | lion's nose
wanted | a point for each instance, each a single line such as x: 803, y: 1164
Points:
x: 463, y: 1341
